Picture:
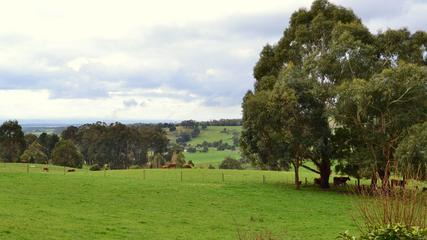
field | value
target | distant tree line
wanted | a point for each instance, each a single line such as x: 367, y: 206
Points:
x: 117, y: 145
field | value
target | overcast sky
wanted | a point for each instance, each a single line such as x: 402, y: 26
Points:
x: 149, y: 60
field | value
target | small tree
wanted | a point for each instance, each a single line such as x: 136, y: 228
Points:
x: 180, y: 159
x: 66, y: 153
x: 34, y: 154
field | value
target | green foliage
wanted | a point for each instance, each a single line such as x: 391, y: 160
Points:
x: 390, y: 232
x: 379, y: 111
x: 117, y: 145
x: 12, y: 141
x: 324, y: 54
x: 230, y: 163
x: 180, y: 159
x: 30, y: 138
x: 48, y: 141
x: 412, y: 151
x: 34, y: 154
x: 66, y: 153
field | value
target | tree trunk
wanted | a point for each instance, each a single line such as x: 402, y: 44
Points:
x: 325, y: 172
x: 296, y: 169
x: 325, y: 164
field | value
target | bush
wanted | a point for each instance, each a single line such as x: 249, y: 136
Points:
x: 191, y: 150
x: 211, y: 167
x: 95, y: 167
x: 205, y: 149
x: 398, y: 232
x: 230, y: 163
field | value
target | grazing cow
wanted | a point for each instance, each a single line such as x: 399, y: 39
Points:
x: 71, y: 170
x: 317, y: 181
x: 187, y: 166
x: 341, y: 181
x: 424, y: 189
x: 45, y: 169
x: 397, y: 182
x: 169, y: 165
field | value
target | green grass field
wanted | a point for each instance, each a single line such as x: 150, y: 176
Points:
x: 213, y: 157
x: 210, y: 134
x: 126, y: 205
x: 213, y: 133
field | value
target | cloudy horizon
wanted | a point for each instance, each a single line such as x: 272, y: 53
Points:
x: 142, y: 61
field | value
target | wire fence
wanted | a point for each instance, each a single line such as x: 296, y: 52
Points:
x: 194, y: 175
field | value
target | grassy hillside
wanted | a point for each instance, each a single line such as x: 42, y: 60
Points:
x: 124, y: 204
x: 212, y: 157
x: 213, y: 133
x: 210, y: 134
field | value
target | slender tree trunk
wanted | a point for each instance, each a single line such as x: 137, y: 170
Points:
x: 296, y: 169
x: 374, y: 180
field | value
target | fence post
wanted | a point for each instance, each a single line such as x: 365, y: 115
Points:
x: 143, y: 171
x: 28, y: 168
x: 306, y: 181
x: 263, y: 179
x: 181, y: 175
x: 64, y: 170
x: 222, y: 176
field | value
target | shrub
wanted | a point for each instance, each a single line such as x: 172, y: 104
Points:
x: 391, y: 206
x: 211, y: 167
x: 398, y: 232
x: 191, y: 150
x: 391, y: 213
x: 95, y: 167
x: 205, y: 149
x: 230, y: 163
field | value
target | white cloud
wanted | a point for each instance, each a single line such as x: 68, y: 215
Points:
x: 176, y: 59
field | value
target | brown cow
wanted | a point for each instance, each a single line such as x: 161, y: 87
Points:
x: 317, y: 181
x: 45, y: 169
x: 187, y: 166
x: 71, y: 170
x: 169, y: 165
x: 397, y: 182
x: 341, y: 181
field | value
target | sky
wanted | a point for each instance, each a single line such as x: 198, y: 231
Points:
x: 140, y: 60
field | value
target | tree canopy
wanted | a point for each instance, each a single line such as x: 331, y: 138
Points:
x: 301, y: 80
x: 12, y: 141
x: 66, y: 153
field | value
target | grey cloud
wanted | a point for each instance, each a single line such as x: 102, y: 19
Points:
x: 193, y: 48
x: 130, y: 103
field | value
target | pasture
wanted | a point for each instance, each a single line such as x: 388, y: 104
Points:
x: 166, y: 204
x: 210, y: 134
x: 212, y: 157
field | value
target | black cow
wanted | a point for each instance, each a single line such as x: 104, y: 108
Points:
x: 341, y: 181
